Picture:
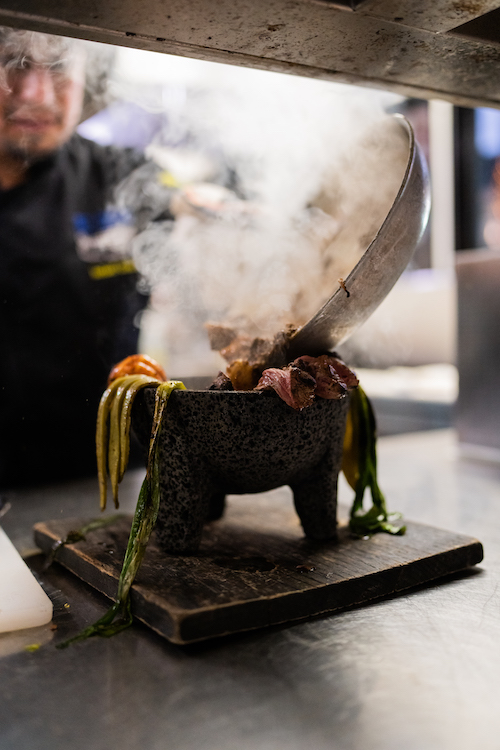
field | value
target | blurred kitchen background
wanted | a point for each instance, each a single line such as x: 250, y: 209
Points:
x: 424, y: 362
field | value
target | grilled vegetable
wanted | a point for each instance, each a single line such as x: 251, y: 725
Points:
x: 137, y: 364
x: 113, y: 431
x: 119, y: 616
x: 359, y: 464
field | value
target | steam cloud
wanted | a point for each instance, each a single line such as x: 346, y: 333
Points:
x: 319, y: 166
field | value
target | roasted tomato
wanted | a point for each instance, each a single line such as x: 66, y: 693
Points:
x: 137, y: 364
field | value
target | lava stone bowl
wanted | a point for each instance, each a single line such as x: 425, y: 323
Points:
x: 214, y: 443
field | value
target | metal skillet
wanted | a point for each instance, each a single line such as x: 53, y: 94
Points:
x: 380, y: 266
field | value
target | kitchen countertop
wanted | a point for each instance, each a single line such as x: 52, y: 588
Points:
x: 419, y: 671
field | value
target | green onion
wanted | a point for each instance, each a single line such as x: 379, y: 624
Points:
x: 377, y: 518
x: 119, y: 615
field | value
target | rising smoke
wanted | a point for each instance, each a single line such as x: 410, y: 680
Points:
x: 315, y: 168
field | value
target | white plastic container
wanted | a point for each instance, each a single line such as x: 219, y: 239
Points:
x: 23, y: 602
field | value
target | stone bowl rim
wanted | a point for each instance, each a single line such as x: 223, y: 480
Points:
x: 270, y: 393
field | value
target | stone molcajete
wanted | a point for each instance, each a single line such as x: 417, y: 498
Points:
x: 215, y: 443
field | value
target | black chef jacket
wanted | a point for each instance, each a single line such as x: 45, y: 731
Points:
x: 68, y: 299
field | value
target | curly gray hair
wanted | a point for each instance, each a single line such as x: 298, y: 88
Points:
x: 20, y: 48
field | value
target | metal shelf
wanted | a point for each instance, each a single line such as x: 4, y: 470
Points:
x: 415, y: 48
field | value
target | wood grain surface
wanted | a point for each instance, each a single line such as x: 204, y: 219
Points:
x: 255, y: 568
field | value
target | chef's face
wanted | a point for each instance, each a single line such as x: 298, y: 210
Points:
x: 40, y: 101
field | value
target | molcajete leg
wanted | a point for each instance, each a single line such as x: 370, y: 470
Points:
x: 185, y: 493
x: 315, y: 498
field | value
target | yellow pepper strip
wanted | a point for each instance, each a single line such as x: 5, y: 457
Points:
x: 121, y: 390
x: 138, y: 382
x: 350, y: 454
x: 101, y: 439
x: 114, y: 447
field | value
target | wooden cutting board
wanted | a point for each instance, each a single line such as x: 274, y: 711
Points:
x: 255, y: 568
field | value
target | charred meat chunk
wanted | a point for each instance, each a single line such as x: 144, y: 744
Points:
x: 221, y: 383
x: 295, y: 386
x: 333, y: 378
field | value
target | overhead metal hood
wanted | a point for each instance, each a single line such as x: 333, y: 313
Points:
x: 443, y: 49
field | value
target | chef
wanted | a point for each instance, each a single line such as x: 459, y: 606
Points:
x: 68, y: 288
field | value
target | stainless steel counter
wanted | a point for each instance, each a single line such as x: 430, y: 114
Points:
x: 419, y: 671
